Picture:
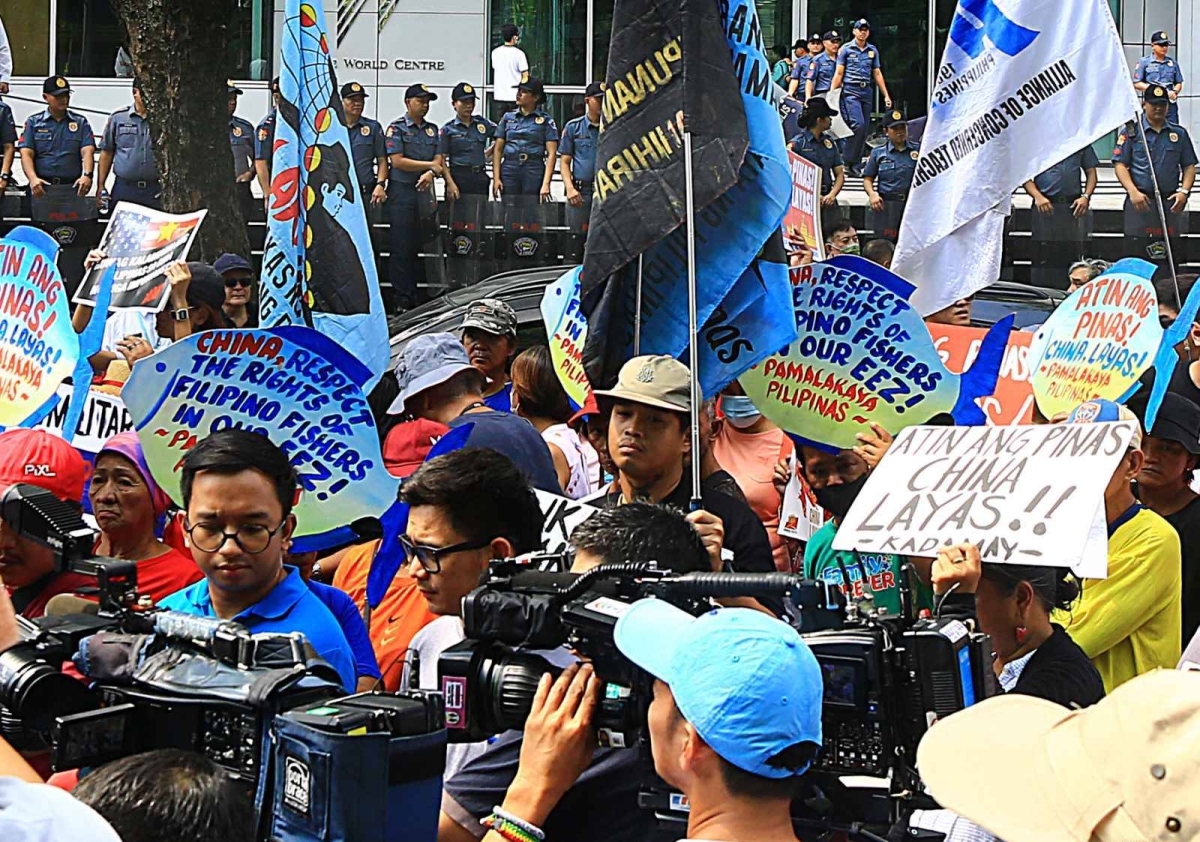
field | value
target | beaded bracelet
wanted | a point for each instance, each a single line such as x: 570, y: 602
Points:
x: 513, y: 828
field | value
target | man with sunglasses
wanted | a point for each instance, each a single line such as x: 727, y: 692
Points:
x: 238, y: 491
x: 239, y: 290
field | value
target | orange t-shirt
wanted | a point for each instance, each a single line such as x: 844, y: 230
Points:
x: 399, y: 616
x: 750, y: 458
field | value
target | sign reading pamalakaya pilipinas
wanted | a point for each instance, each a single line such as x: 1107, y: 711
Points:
x: 567, y: 328
x: 862, y: 354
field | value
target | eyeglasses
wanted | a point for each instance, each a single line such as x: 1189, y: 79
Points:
x: 251, y: 537
x: 430, y: 558
x: 230, y: 283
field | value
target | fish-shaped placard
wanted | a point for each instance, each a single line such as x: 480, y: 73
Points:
x: 863, y: 354
x: 291, y: 384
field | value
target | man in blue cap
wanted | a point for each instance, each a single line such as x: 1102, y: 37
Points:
x: 412, y: 147
x: 127, y: 151
x: 57, y: 146
x: 368, y: 146
x: 264, y: 144
x: 888, y: 176
x: 858, y: 72
x: 736, y: 716
x: 1159, y: 69
x: 239, y: 278
x: 241, y: 145
x: 819, y: 77
x: 806, y: 54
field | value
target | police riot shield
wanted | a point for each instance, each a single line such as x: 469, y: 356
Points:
x: 1146, y: 237
x: 431, y: 251
x: 575, y: 219
x: 1057, y: 239
x: 885, y: 224
x: 528, y: 239
x: 72, y: 220
x: 469, y: 255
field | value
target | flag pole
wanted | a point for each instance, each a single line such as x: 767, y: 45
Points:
x: 693, y: 326
x: 637, y: 313
x: 1162, y: 214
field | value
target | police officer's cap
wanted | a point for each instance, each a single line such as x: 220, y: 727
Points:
x: 815, y: 38
x: 800, y: 44
x: 55, y: 85
x: 1156, y: 94
x: 1160, y: 39
x: 463, y: 91
x: 275, y: 85
x: 420, y: 90
x: 231, y: 88
x: 535, y: 87
x: 353, y: 89
x: 893, y: 118
x: 817, y: 107
x: 594, y: 89
x: 862, y: 23
x: 831, y: 35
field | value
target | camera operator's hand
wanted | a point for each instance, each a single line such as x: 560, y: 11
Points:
x: 957, y: 565
x: 10, y: 632
x: 712, y: 532
x: 558, y: 744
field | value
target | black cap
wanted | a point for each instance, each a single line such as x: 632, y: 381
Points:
x: 206, y: 286
x: 831, y: 35
x: 817, y: 107
x: 232, y: 88
x: 893, y: 118
x: 862, y: 23
x: 594, y: 89
x: 816, y: 38
x: 463, y: 91
x: 533, y: 86
x: 420, y: 90
x: 353, y: 89
x: 800, y: 44
x: 1179, y: 421
x: 275, y: 85
x: 1156, y: 94
x: 1161, y: 39
x: 56, y: 85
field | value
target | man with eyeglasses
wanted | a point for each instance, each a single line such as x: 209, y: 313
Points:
x: 239, y: 290
x: 238, y: 490
x: 466, y: 508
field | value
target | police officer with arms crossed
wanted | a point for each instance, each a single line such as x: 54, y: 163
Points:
x: 241, y: 145
x: 803, y: 61
x: 526, y: 145
x: 57, y: 146
x: 126, y: 150
x: 1059, y: 218
x: 822, y: 66
x: 367, y: 145
x: 463, y: 144
x: 887, y: 177
x: 580, y: 138
x: 264, y: 144
x: 1174, y: 168
x: 1159, y: 69
x: 857, y: 71
x: 412, y: 146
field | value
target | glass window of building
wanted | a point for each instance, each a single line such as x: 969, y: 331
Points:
x: 27, y: 23
x: 553, y: 36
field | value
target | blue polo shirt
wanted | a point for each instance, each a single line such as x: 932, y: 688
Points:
x: 580, y: 139
x: 463, y: 144
x: 860, y: 64
x: 821, y: 70
x: 1063, y: 179
x: 264, y: 138
x: 416, y: 142
x: 127, y: 136
x: 8, y: 127
x: 800, y: 69
x: 526, y: 134
x: 892, y: 168
x: 343, y: 609
x: 1166, y: 72
x: 57, y: 144
x: 822, y: 151
x: 241, y: 144
x: 290, y: 607
x: 1171, y: 150
x: 367, y: 145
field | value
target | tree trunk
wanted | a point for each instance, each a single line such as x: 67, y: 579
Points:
x: 179, y: 56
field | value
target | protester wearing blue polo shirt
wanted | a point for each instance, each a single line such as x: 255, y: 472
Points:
x: 238, y: 489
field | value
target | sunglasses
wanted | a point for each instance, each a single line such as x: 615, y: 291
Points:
x: 230, y: 283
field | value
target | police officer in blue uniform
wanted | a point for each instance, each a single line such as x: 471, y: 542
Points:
x: 526, y: 146
x: 814, y: 144
x: 1160, y: 69
x: 888, y: 176
x: 858, y: 72
x: 264, y: 143
x: 800, y: 68
x: 57, y: 146
x: 368, y: 146
x: 1174, y: 170
x: 1060, y: 220
x: 241, y: 145
x: 464, y: 143
x: 412, y: 146
x: 127, y: 151
x: 577, y: 164
x: 822, y: 67
x: 8, y: 145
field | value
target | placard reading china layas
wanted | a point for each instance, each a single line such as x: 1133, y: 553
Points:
x: 1023, y: 495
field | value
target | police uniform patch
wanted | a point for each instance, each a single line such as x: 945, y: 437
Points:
x: 1174, y: 137
x: 391, y: 130
x: 262, y: 134
x: 467, y: 89
x: 73, y: 126
x: 1117, y: 150
x: 870, y: 54
x: 429, y: 130
x: 1121, y: 138
x: 366, y: 131
x: 481, y: 128
x: 1168, y: 62
x: 237, y: 131
x: 914, y: 154
x: 828, y: 143
x: 539, y: 120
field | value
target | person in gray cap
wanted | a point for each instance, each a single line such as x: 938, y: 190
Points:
x: 489, y: 335
x: 239, y: 305
x: 438, y: 383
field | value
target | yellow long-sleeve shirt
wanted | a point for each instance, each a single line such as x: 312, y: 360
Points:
x: 1130, y: 623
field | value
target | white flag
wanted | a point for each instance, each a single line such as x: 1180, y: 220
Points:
x: 1022, y: 85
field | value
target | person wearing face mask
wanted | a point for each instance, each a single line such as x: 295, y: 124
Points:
x: 836, y: 479
x: 842, y: 239
x: 748, y: 446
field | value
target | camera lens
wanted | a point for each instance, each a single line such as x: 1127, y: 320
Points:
x: 36, y: 692
x: 511, y: 683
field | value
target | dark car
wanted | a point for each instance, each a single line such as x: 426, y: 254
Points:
x: 523, y: 290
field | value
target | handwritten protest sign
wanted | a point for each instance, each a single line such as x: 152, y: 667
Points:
x: 103, y: 416
x: 863, y: 354
x: 1023, y: 495
x: 38, y: 346
x: 1099, y: 341
x: 292, y: 385
x: 567, y: 328
x: 141, y: 243
x: 1012, y: 402
x: 562, y: 516
x: 802, y: 222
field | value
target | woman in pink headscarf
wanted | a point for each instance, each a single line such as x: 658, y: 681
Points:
x: 128, y: 503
